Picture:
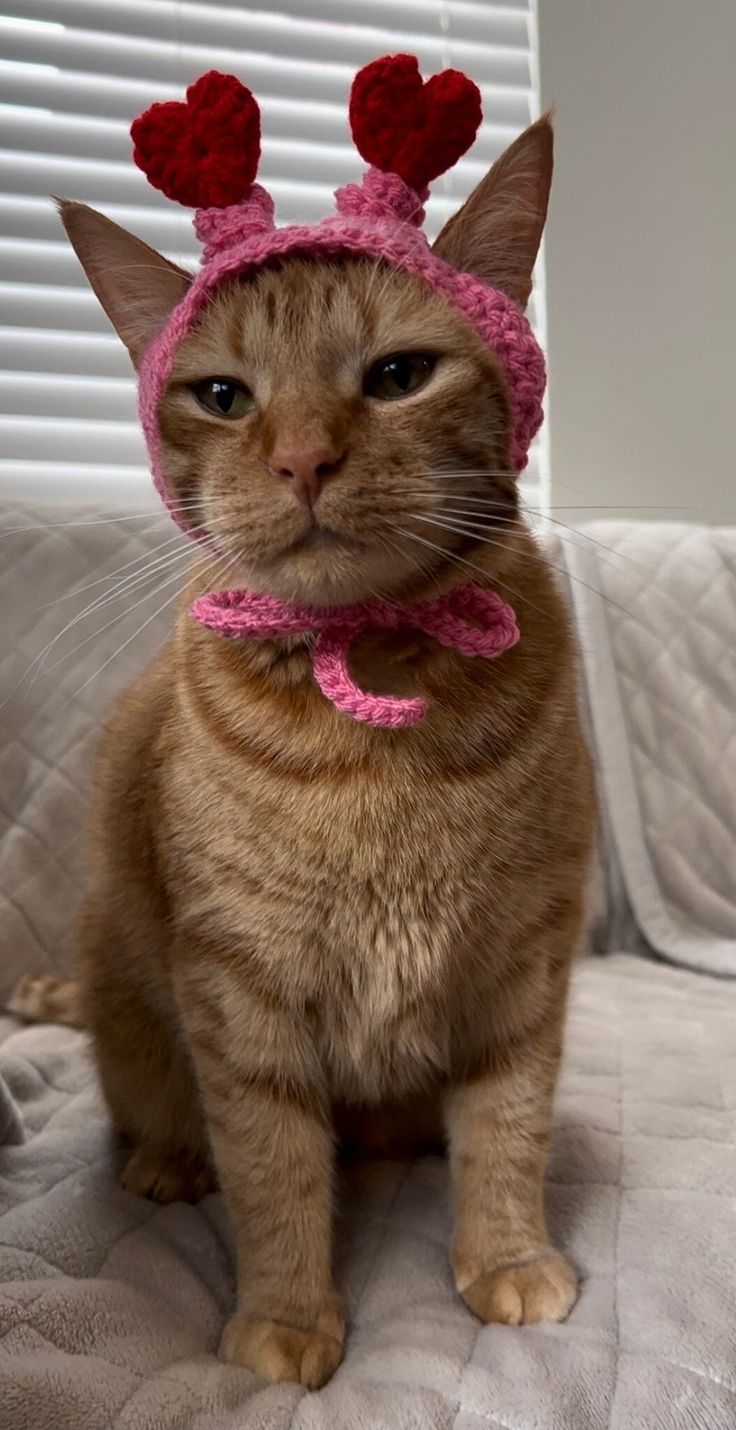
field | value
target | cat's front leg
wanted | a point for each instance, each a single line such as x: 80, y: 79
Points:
x: 272, y: 1141
x: 498, y: 1124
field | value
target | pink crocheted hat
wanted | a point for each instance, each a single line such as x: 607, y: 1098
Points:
x: 205, y: 152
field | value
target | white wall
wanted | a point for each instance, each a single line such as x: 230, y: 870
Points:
x: 641, y: 252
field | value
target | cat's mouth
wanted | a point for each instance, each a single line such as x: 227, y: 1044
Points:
x: 323, y: 538
x: 320, y: 566
x: 324, y: 565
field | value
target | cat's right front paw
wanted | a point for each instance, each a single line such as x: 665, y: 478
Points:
x: 279, y: 1352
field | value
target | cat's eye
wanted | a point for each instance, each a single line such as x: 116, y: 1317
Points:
x: 224, y: 397
x: 398, y: 376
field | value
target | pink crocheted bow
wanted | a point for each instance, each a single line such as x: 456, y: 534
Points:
x: 467, y: 619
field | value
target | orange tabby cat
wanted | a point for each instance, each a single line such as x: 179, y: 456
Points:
x: 298, y: 926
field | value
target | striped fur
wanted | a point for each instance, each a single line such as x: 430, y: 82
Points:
x: 299, y: 928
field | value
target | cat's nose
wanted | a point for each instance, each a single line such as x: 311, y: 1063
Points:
x: 306, y: 468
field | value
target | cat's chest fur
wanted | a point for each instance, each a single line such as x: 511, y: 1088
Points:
x: 381, y: 984
x: 348, y: 899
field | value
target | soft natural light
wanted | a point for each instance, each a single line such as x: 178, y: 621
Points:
x: 23, y: 111
x: 27, y: 67
x: 21, y: 22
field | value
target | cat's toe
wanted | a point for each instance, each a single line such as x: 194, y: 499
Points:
x: 41, y: 998
x: 167, y: 1176
x: 543, y: 1289
x: 278, y: 1352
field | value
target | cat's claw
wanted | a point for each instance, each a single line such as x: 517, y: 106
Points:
x: 278, y: 1352
x: 543, y: 1289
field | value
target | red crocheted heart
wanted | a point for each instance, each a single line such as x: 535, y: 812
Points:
x: 409, y: 128
x: 203, y: 153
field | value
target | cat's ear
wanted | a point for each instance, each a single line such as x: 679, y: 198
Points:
x: 136, y: 286
x: 497, y: 232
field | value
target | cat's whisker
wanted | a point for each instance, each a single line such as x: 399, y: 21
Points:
x: 453, y: 556
x: 124, y: 585
x: 35, y: 667
x: 568, y: 534
x: 491, y: 511
x: 226, y: 546
x: 135, y: 561
x: 456, y: 494
x: 460, y: 530
x: 119, y: 616
x: 150, y: 514
x: 425, y: 570
x: 221, y: 573
x: 465, y: 528
x: 95, y: 521
x: 458, y: 474
x: 137, y: 576
x: 120, y: 589
x: 614, y: 506
x: 423, y: 473
x: 624, y: 506
x: 456, y: 529
x: 168, y: 602
x: 575, y: 534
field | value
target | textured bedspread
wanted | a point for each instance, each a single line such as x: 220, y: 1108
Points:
x: 111, y: 1308
x: 656, y: 610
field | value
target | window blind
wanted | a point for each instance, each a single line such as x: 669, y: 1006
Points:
x: 73, y: 73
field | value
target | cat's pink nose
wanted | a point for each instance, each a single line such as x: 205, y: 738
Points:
x: 306, y: 468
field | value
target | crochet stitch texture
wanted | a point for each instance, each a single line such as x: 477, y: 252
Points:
x: 467, y: 619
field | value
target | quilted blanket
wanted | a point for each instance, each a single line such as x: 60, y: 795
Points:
x: 656, y: 609
x: 110, y: 1308
x: 69, y: 644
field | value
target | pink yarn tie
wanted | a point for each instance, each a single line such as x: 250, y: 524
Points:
x: 467, y: 619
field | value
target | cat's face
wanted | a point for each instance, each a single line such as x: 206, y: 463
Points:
x: 336, y: 428
x: 320, y: 420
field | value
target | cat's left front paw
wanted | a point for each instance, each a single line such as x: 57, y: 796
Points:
x: 543, y: 1288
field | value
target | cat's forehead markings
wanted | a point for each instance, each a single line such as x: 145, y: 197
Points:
x: 328, y: 297
x: 303, y: 309
x: 234, y: 331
